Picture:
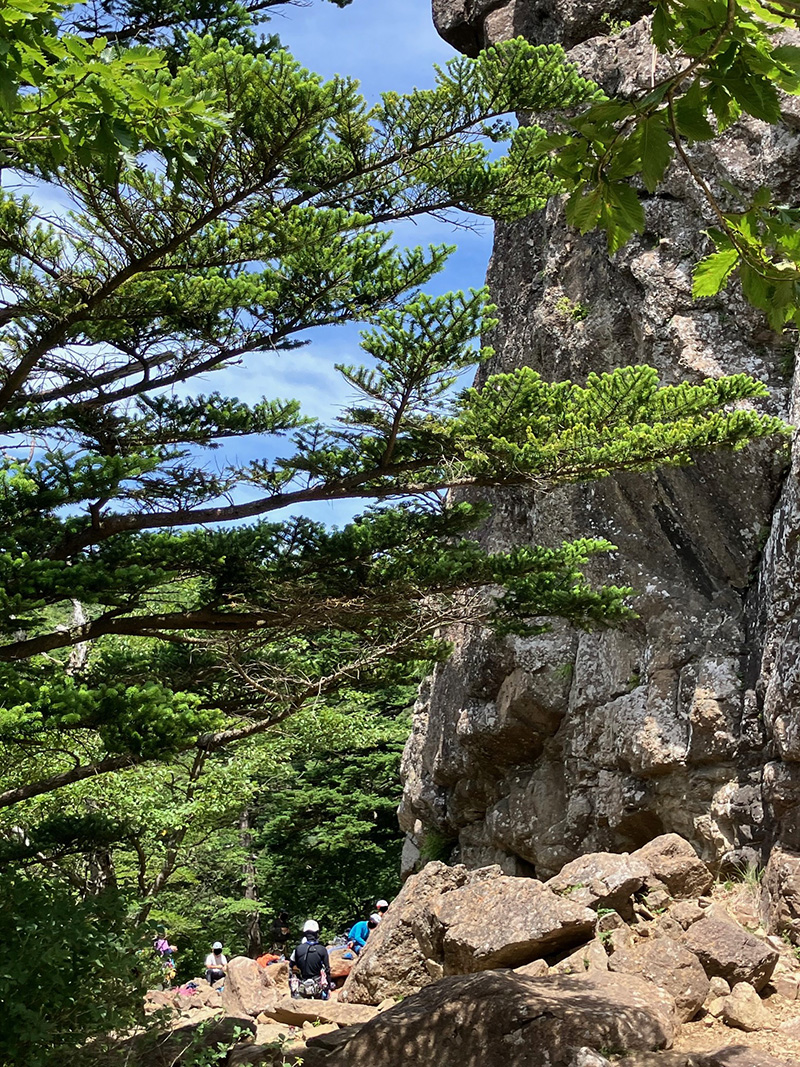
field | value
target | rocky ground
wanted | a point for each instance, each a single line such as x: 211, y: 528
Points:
x: 636, y: 960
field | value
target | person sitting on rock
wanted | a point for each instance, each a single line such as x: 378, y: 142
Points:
x: 381, y: 908
x: 357, y: 937
x: 310, y: 958
x: 216, y: 963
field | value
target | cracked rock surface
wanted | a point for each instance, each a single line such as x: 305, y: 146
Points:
x: 529, y: 753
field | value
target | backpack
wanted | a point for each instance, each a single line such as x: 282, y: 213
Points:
x: 302, y: 957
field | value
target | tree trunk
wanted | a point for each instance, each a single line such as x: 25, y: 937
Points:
x: 253, y: 918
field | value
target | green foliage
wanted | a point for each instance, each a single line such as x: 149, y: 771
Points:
x: 69, y: 971
x: 64, y: 96
x: 727, y: 61
x: 222, y: 202
x: 437, y: 846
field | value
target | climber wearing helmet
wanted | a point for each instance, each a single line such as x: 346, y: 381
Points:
x: 310, y: 958
x: 216, y: 963
x: 357, y: 937
x: 381, y: 908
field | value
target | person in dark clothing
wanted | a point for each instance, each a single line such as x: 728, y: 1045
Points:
x: 310, y: 958
x: 280, y: 933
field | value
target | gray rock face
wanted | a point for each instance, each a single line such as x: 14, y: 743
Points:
x: 470, y: 25
x: 780, y: 898
x: 531, y: 752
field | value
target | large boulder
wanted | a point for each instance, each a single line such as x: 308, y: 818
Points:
x: 504, y: 1019
x: 589, y: 957
x: 669, y: 965
x: 726, y: 950
x: 249, y: 989
x: 505, y: 922
x: 297, y: 1012
x: 404, y: 953
x: 673, y: 861
x: 780, y: 894
x: 448, y: 920
x: 601, y: 879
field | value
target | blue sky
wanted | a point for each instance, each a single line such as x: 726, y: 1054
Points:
x: 386, y: 44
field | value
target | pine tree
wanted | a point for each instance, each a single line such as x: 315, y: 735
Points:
x: 242, y: 201
x: 217, y: 202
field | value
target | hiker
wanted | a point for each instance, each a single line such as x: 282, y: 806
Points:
x: 381, y: 908
x: 216, y: 963
x: 166, y: 956
x: 280, y: 933
x: 359, y: 932
x: 310, y: 958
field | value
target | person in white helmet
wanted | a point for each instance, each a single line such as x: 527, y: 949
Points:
x: 381, y: 908
x: 310, y: 958
x: 216, y: 963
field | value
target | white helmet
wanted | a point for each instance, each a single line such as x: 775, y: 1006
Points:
x: 382, y: 904
x: 375, y: 918
x: 311, y: 927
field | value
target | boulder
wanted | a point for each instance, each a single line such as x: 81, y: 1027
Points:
x: 610, y: 921
x: 591, y: 957
x: 394, y: 961
x: 159, y: 1000
x: 729, y: 952
x: 534, y: 969
x: 714, y: 1006
x: 669, y: 965
x: 780, y: 894
x: 601, y: 879
x: 248, y: 988
x: 686, y: 912
x: 785, y: 981
x: 505, y: 922
x: 744, y: 1009
x: 342, y: 962
x: 790, y: 1029
x: 717, y: 987
x: 315, y: 1028
x: 739, y: 1056
x: 296, y: 1012
x: 497, y: 1019
x: 674, y: 862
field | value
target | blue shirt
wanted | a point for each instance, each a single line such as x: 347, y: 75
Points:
x: 359, y: 933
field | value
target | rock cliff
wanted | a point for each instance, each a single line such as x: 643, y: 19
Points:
x: 528, y: 753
